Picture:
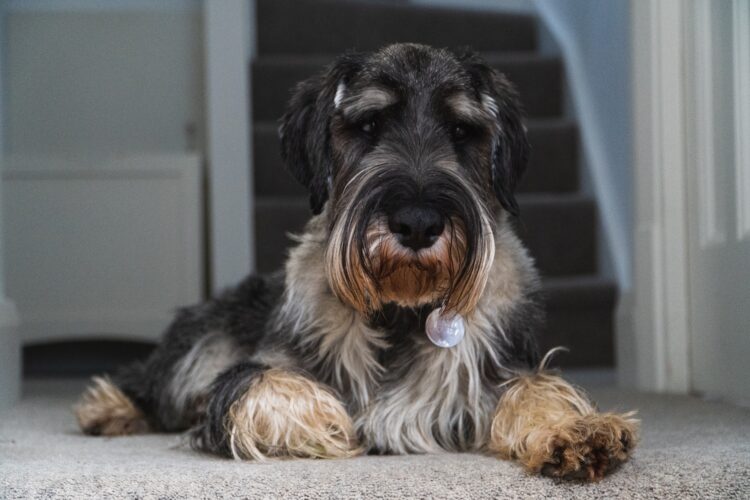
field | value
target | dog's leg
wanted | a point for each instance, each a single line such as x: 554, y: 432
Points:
x: 258, y: 413
x: 551, y: 428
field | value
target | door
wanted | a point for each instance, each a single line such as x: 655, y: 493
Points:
x: 718, y: 197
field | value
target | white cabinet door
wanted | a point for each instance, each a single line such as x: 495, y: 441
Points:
x: 102, y: 248
x: 718, y: 95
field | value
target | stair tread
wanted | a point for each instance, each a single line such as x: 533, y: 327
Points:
x: 580, y: 316
x: 579, y: 290
x: 336, y: 25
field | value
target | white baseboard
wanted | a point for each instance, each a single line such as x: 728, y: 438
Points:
x: 625, y: 349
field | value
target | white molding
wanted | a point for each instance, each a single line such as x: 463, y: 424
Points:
x: 229, y: 141
x: 661, y: 259
x: 625, y: 357
x: 593, y: 145
x: 741, y: 59
x: 711, y: 229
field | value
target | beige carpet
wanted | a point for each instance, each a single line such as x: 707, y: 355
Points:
x: 690, y: 449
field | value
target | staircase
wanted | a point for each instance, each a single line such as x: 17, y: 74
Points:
x: 558, y: 223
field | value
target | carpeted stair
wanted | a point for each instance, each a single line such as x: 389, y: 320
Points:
x: 296, y: 38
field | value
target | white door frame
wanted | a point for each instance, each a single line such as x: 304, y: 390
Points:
x: 675, y: 168
x: 661, y: 327
x: 229, y: 44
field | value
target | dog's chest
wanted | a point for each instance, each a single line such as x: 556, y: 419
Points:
x: 425, y: 398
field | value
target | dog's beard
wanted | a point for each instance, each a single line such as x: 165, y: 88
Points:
x: 368, y: 268
x: 408, y: 278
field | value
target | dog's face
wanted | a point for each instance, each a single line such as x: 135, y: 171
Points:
x: 414, y: 153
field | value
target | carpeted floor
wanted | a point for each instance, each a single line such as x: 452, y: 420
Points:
x: 690, y: 449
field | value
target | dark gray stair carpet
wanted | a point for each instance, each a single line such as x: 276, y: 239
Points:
x: 296, y: 38
x: 321, y: 26
x: 580, y: 317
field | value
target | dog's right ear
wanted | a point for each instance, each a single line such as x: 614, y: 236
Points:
x: 305, y: 128
x: 510, y: 152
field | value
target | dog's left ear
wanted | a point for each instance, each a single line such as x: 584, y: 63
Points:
x: 305, y: 128
x: 510, y: 151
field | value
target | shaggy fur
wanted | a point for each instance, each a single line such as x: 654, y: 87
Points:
x: 104, y: 410
x: 287, y: 414
x: 329, y: 357
x: 540, y: 416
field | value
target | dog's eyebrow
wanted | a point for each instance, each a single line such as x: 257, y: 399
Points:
x: 467, y: 109
x: 367, y: 100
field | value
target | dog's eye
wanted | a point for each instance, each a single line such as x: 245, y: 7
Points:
x: 369, y: 126
x: 459, y: 133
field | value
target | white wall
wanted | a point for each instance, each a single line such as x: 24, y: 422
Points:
x: 86, y: 82
x: 91, y: 83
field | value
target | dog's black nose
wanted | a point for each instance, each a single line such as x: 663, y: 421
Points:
x: 416, y: 227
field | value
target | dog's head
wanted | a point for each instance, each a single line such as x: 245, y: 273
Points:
x: 412, y: 154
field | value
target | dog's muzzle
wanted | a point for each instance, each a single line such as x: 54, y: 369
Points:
x: 397, y: 240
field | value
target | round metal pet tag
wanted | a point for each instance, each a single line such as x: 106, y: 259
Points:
x: 444, y: 330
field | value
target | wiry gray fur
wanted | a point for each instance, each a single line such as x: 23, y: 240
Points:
x: 403, y: 393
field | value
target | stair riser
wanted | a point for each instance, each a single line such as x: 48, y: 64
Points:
x: 304, y: 26
x: 552, y: 166
x: 560, y: 236
x: 587, y: 332
x: 273, y: 81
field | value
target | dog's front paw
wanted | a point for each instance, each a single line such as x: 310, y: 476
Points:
x: 582, y: 447
x: 104, y: 410
x: 285, y: 414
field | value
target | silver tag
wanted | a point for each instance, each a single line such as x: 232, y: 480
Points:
x: 444, y: 330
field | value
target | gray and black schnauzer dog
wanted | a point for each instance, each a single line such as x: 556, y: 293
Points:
x: 411, y: 156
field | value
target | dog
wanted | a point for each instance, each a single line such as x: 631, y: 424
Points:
x: 411, y: 156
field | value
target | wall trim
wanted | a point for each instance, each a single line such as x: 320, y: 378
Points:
x: 227, y: 45
x: 741, y: 114
x: 661, y: 306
